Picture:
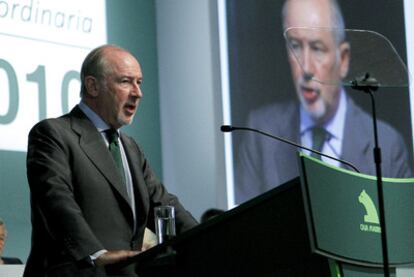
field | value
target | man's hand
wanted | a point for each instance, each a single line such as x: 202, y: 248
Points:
x: 113, y: 257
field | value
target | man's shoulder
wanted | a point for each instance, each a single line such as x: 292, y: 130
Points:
x: 275, y: 116
x: 279, y: 107
x: 63, y: 121
x: 363, y: 119
x: 51, y: 123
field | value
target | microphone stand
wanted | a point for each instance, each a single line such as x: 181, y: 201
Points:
x: 368, y: 85
x: 228, y: 128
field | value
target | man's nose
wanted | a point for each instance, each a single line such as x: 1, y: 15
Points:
x: 307, y: 64
x: 136, y: 91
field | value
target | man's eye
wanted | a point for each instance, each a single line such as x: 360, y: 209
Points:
x: 125, y: 82
x: 294, y: 45
x: 318, y: 48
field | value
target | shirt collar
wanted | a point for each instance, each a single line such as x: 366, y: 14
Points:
x: 94, y: 117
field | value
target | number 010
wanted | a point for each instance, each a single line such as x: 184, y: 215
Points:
x: 38, y: 76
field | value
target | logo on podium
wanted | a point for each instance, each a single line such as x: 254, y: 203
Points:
x: 371, y: 220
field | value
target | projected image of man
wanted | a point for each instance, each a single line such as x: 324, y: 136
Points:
x: 320, y: 110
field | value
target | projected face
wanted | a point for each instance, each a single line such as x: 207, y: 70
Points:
x: 119, y: 93
x: 315, y: 54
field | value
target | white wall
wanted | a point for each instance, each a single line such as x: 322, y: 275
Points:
x: 190, y: 103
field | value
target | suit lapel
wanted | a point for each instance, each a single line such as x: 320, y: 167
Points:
x: 134, y: 162
x: 285, y: 155
x: 91, y: 142
x: 356, y: 138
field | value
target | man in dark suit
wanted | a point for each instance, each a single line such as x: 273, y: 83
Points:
x: 319, y: 59
x: 264, y: 163
x: 89, y: 208
x: 3, y: 236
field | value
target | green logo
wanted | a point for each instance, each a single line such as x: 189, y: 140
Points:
x: 371, y: 216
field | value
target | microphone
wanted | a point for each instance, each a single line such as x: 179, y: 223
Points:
x: 226, y: 128
x: 365, y: 83
x: 229, y: 128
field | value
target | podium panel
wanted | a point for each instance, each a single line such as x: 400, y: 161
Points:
x: 342, y: 214
x: 265, y: 236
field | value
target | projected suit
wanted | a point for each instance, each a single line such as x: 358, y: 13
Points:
x: 263, y: 163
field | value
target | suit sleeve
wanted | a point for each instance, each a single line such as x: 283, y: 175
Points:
x: 248, y: 178
x: 158, y: 195
x: 52, y: 194
x: 396, y: 161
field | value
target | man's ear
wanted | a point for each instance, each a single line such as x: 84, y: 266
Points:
x: 91, y: 84
x: 345, y: 56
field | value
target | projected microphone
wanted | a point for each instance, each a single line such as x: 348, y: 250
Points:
x: 365, y: 83
x: 229, y: 128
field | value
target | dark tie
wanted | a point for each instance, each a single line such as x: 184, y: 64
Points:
x: 115, y: 150
x: 112, y: 136
x: 318, y: 139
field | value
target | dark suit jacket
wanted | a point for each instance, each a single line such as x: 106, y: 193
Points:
x: 11, y: 260
x: 79, y: 203
x: 263, y: 163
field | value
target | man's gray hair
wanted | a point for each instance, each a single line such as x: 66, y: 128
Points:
x: 95, y: 64
x: 337, y: 20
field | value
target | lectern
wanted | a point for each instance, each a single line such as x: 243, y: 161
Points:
x: 343, y: 222
x: 266, y: 236
x: 328, y: 214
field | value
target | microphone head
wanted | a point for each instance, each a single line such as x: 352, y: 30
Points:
x: 226, y: 128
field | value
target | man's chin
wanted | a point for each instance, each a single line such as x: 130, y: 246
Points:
x: 125, y: 121
x: 316, y: 112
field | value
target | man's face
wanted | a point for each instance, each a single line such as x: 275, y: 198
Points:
x: 2, y: 238
x: 119, y: 91
x: 314, y: 53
